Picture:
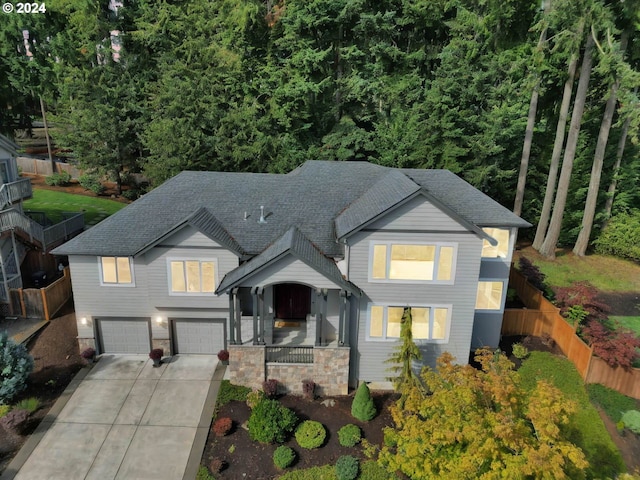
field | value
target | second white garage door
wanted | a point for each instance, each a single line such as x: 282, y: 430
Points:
x: 204, y: 336
x: 124, y: 335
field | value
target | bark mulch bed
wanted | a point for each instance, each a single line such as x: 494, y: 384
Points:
x: 56, y: 361
x: 245, y: 458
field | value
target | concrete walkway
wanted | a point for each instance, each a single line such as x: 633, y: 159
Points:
x: 126, y: 420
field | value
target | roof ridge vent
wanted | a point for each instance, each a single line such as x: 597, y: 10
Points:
x: 262, y: 219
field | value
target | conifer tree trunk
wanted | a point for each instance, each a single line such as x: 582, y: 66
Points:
x: 608, y: 206
x: 528, y: 135
x: 580, y: 247
x: 548, y: 247
x: 558, y: 144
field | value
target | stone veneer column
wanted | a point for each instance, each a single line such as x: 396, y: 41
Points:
x: 247, y: 365
x: 331, y: 370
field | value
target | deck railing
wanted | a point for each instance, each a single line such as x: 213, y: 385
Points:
x: 47, y: 237
x: 289, y: 355
x: 15, y: 191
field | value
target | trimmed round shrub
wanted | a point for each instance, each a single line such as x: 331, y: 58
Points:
x: 15, y: 366
x: 283, y: 457
x: 631, y: 420
x: 222, y: 426
x: 271, y: 422
x: 270, y: 388
x: 347, y: 468
x: 216, y: 465
x: 254, y: 397
x: 349, y: 435
x: 310, y: 434
x: 91, y: 181
x: 363, y: 407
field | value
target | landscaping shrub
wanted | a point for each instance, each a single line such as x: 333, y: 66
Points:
x: 584, y: 295
x: 621, y: 237
x: 611, y: 401
x: 347, y: 468
x: 30, y: 404
x: 223, y: 355
x: 4, y: 409
x: 91, y: 181
x: 270, y: 388
x: 616, y: 346
x: 585, y: 428
x: 271, y: 422
x: 308, y: 389
x: 203, y: 474
x: 363, y: 407
x: 254, y: 397
x: 349, y: 435
x: 532, y: 273
x: 310, y: 434
x: 520, y: 351
x: 15, y: 421
x: 131, y: 193
x: 230, y: 392
x: 216, y: 465
x: 15, y: 366
x: 222, y: 426
x: 283, y: 457
x: 631, y: 420
x: 58, y: 179
x: 370, y: 470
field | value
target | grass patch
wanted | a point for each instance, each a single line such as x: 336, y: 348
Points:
x: 585, y: 428
x: 230, y: 392
x: 54, y: 203
x: 632, y: 323
x: 612, y: 402
x: 603, y: 272
x: 369, y: 470
x: 203, y: 474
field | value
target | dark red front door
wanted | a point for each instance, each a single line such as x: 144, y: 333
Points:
x: 292, y: 301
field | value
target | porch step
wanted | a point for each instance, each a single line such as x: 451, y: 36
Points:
x: 286, y: 323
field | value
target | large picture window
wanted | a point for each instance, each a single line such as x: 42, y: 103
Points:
x: 427, y: 322
x: 413, y: 262
x: 116, y: 271
x: 489, y: 296
x: 501, y: 250
x: 192, y: 276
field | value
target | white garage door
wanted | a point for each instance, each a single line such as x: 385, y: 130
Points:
x: 199, y: 336
x: 125, y: 335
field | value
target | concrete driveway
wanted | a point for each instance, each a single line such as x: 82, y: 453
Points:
x: 127, y: 420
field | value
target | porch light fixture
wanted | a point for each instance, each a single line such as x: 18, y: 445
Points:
x: 262, y: 219
x: 159, y: 320
x: 83, y: 320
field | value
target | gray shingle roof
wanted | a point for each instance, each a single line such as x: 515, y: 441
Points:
x: 291, y: 243
x: 310, y: 198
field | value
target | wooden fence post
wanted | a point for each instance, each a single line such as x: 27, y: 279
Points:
x: 45, y: 305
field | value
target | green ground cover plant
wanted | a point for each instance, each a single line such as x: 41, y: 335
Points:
x: 369, y: 470
x: 585, y: 428
x: 229, y: 392
x: 612, y: 402
x: 54, y: 203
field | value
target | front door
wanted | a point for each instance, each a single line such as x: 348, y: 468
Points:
x: 292, y: 301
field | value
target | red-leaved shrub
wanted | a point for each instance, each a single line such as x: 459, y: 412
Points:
x: 216, y: 465
x: 583, y: 294
x: 617, y: 347
x: 222, y: 426
x: 270, y: 388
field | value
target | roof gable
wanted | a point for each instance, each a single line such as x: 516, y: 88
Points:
x: 294, y: 243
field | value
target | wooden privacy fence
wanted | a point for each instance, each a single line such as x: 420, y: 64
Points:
x: 541, y: 317
x: 42, y: 302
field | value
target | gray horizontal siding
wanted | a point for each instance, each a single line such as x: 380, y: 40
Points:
x: 417, y: 214
x: 461, y: 295
x: 486, y: 330
x: 289, y: 269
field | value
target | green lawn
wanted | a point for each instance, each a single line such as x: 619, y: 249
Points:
x: 632, y: 323
x: 55, y: 203
x: 606, y: 273
x: 585, y: 428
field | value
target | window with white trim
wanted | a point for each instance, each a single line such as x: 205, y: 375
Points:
x: 188, y: 277
x: 116, y: 271
x: 489, y: 295
x: 413, y: 262
x: 501, y: 250
x: 427, y: 322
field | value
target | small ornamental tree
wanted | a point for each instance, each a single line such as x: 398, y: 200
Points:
x: 403, y: 357
x: 617, y: 347
x: 15, y: 367
x: 532, y: 273
x: 363, y: 407
x: 581, y: 294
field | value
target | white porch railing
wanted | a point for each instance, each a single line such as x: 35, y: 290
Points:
x: 13, y: 192
x: 47, y: 237
x: 6, y: 286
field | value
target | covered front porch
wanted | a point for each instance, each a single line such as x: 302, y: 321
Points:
x: 289, y: 317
